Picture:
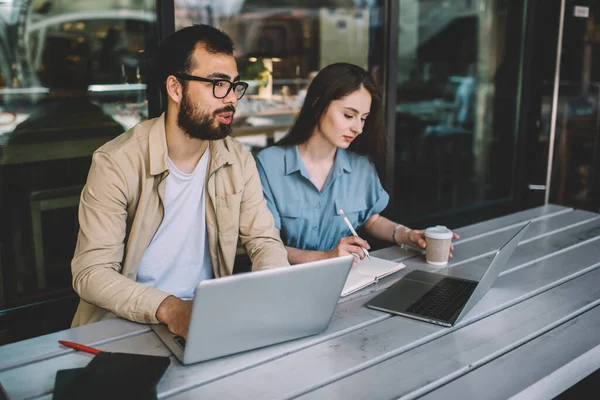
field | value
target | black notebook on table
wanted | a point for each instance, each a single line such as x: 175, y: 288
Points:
x: 112, y: 376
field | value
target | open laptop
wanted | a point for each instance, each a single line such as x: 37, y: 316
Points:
x: 441, y: 299
x: 247, y: 311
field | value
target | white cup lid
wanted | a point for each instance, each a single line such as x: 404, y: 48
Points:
x: 438, y: 232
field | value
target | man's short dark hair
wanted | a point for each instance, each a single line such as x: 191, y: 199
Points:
x: 176, y: 52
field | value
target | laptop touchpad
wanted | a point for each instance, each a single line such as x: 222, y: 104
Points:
x: 402, y: 295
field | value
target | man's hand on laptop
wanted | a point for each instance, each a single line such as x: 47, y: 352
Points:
x: 175, y: 313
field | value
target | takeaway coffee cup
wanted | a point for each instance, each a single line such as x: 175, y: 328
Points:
x: 438, y: 240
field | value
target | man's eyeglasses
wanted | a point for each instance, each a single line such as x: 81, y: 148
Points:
x: 221, y: 87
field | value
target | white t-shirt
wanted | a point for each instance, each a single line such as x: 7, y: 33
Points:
x: 178, y: 257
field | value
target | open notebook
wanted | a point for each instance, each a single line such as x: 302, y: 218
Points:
x: 368, y: 272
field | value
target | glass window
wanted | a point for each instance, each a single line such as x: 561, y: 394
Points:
x: 574, y: 176
x: 457, y: 103
x: 72, y: 76
x: 280, y: 45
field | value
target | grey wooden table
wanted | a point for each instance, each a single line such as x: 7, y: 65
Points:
x: 534, y: 334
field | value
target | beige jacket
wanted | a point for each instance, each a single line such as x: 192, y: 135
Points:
x: 121, y: 210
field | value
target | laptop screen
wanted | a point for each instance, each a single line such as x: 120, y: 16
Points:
x: 493, y: 270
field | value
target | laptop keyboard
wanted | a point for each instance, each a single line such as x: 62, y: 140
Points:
x: 443, y: 300
x: 180, y: 341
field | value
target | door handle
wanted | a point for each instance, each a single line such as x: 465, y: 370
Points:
x: 532, y: 186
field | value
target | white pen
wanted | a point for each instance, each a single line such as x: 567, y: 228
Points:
x: 347, y: 221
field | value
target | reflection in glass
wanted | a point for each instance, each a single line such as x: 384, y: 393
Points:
x: 457, y: 90
x: 574, y: 175
x: 280, y: 45
x: 72, y: 77
x: 575, y: 146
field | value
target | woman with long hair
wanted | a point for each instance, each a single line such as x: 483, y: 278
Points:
x: 328, y: 162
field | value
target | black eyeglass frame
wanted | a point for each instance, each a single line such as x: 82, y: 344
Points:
x: 232, y: 85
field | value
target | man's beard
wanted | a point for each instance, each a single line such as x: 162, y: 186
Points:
x: 201, y: 126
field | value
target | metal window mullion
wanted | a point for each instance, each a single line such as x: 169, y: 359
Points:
x: 554, y: 102
x: 390, y: 62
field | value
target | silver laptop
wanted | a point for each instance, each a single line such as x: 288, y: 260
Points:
x: 441, y: 299
x: 247, y: 311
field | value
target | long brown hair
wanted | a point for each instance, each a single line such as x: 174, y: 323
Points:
x: 334, y: 82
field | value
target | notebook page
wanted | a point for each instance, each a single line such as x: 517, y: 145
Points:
x: 378, y: 268
x: 355, y: 282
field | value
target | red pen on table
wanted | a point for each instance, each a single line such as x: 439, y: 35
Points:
x: 79, y: 347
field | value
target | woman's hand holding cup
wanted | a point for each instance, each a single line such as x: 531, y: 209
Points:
x: 439, y: 245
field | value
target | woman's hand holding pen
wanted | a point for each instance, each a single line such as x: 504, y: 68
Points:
x: 349, y: 245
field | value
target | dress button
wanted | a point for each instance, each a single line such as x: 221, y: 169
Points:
x: 318, y: 205
x: 314, y: 228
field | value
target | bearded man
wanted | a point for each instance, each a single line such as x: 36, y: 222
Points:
x: 166, y: 202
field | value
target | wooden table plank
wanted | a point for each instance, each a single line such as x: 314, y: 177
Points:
x: 368, y: 345
x: 36, y: 379
x: 554, y: 223
x: 511, y: 220
x: 536, y: 359
x: 564, y: 377
x: 547, y: 237
x: 488, y: 244
x: 44, y: 347
x: 541, y: 248
x: 414, y: 373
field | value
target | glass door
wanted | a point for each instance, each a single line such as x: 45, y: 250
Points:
x: 563, y: 140
x: 572, y: 174
x: 458, y: 89
x: 73, y: 76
